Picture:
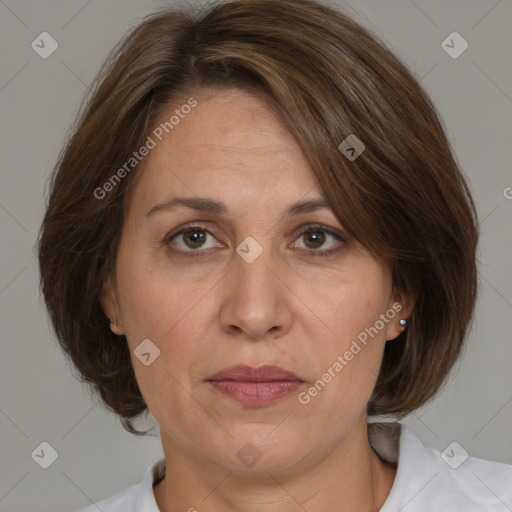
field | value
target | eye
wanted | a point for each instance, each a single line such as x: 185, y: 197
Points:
x: 316, y: 236
x: 190, y: 238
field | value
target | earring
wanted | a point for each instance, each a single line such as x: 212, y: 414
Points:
x: 111, y: 320
x: 403, y: 323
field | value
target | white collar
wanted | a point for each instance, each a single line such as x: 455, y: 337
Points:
x: 423, y: 481
x: 385, y: 439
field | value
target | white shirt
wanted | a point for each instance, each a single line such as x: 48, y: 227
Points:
x: 426, y: 480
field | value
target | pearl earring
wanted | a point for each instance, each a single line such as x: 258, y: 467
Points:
x: 403, y: 323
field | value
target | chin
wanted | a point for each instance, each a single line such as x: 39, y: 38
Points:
x: 260, y: 449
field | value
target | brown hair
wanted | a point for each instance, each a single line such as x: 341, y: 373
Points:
x: 404, y: 198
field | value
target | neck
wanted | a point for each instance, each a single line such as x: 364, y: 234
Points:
x: 351, y: 477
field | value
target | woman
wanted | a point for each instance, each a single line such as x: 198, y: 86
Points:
x: 258, y: 233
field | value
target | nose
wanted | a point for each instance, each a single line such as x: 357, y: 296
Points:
x: 257, y: 298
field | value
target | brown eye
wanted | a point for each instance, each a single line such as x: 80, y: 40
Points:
x: 190, y: 239
x: 194, y: 238
x: 314, y: 239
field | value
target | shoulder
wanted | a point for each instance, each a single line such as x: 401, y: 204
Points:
x: 470, y: 482
x: 453, y: 481
x: 123, y: 501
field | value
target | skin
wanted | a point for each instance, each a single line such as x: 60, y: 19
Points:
x: 287, y: 308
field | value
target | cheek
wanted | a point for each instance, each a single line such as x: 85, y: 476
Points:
x: 154, y: 302
x: 349, y: 306
x: 170, y: 311
x: 348, y: 358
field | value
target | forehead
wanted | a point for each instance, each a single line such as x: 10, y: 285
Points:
x: 227, y: 123
x: 230, y: 145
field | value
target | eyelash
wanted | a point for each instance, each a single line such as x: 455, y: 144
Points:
x: 311, y: 228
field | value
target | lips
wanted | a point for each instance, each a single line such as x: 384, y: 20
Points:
x: 253, y: 387
x: 244, y: 373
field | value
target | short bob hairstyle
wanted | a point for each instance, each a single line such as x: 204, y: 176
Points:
x: 404, y: 198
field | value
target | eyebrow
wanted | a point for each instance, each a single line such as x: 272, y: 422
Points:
x: 208, y: 205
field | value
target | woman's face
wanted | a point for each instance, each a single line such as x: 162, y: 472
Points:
x: 244, y: 286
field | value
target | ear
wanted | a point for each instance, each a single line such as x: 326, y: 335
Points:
x: 109, y: 304
x: 402, y: 304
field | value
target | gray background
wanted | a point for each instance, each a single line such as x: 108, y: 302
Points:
x: 40, y: 399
